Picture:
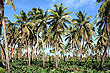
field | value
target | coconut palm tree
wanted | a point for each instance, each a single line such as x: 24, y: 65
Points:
x: 72, y: 37
x: 24, y: 30
x: 10, y: 32
x: 102, y: 39
x: 34, y: 20
x: 104, y: 20
x: 85, y: 30
x: 43, y: 25
x: 57, y: 24
x: 4, y: 33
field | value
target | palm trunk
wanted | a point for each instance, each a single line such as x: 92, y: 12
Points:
x: 56, y: 55
x: 43, y: 48
x: 18, y: 52
x: 36, y: 48
x: 36, y: 57
x: 56, y: 47
x: 73, y: 50
x: 80, y: 54
x: 49, y: 53
x: 5, y: 38
x: 31, y: 54
x: 12, y: 53
x: 2, y: 52
x: 81, y: 50
x: 102, y: 59
x: 43, y: 54
x: 63, y: 55
x: 28, y: 56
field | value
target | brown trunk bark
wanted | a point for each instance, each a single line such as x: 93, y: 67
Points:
x: 5, y: 38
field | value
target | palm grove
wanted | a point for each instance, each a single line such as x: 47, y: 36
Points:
x: 56, y: 31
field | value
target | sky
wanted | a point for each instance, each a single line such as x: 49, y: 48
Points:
x: 88, y: 6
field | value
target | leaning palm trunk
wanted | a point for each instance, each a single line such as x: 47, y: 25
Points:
x: 102, y: 59
x: 5, y: 38
x: 108, y: 30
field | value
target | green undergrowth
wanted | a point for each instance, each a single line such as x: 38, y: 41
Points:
x: 64, y: 67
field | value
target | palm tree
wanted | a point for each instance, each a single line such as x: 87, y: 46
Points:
x: 11, y: 34
x: 4, y: 33
x: 43, y: 25
x: 22, y: 21
x: 34, y: 20
x: 72, y: 37
x: 101, y: 43
x: 85, y: 30
x: 57, y: 25
x: 104, y: 14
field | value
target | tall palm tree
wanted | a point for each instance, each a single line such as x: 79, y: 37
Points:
x: 10, y: 32
x: 57, y: 25
x: 33, y: 17
x: 24, y: 30
x: 85, y: 30
x: 101, y: 43
x: 4, y: 33
x: 104, y: 14
x: 72, y: 37
x: 43, y: 25
x: 39, y: 18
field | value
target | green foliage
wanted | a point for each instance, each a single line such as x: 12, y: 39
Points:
x: 86, y: 66
x: 2, y: 70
